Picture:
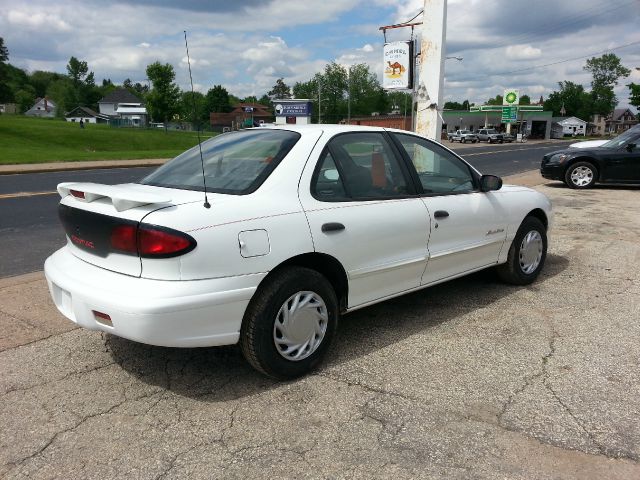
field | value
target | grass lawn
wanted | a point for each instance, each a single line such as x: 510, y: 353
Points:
x: 36, y: 140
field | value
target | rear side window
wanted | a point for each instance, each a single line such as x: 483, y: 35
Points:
x: 235, y: 163
x: 358, y: 166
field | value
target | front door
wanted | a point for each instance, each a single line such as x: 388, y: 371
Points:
x: 468, y: 227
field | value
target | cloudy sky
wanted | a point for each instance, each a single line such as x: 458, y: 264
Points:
x: 246, y: 45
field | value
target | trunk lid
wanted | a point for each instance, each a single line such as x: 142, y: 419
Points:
x: 89, y: 212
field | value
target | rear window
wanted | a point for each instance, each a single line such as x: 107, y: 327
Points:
x: 235, y: 163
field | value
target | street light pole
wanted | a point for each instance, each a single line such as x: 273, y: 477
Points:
x: 349, y: 96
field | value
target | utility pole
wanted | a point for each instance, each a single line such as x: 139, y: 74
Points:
x: 319, y: 100
x: 434, y: 31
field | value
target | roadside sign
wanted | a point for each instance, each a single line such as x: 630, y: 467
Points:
x: 511, y: 96
x: 509, y: 114
x: 248, y: 109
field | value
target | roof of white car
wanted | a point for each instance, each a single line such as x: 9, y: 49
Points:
x: 333, y: 128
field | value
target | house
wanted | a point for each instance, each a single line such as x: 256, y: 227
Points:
x: 86, y: 115
x: 568, y: 126
x: 8, y: 108
x: 43, y: 107
x: 242, y: 115
x: 123, y: 108
x: 618, y: 121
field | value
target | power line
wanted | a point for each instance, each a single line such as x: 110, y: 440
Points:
x: 564, y: 61
x: 590, y: 13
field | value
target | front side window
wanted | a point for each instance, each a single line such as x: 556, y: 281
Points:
x: 440, y: 171
x: 358, y: 166
x: 234, y: 163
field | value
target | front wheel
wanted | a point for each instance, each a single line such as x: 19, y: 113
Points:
x: 290, y: 323
x: 463, y: 140
x: 580, y: 175
x: 527, y: 253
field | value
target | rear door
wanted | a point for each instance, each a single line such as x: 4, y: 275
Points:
x: 362, y: 210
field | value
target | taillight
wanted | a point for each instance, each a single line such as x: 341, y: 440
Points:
x: 151, y: 241
x: 123, y: 238
x: 77, y: 193
x: 163, y: 242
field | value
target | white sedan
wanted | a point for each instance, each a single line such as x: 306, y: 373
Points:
x: 298, y: 225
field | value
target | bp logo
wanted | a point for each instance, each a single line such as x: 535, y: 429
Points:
x: 510, y: 97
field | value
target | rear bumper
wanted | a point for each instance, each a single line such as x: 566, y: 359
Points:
x: 195, y: 313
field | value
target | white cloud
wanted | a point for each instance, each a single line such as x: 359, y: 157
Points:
x: 38, y: 20
x: 523, y: 52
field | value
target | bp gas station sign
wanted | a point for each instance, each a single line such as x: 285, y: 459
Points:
x: 510, y: 102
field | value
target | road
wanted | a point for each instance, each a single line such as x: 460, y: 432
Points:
x: 470, y: 379
x: 30, y: 231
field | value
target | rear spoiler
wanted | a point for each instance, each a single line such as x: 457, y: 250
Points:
x: 123, y: 197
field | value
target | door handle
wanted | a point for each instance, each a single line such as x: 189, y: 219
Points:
x: 440, y: 214
x: 332, y: 227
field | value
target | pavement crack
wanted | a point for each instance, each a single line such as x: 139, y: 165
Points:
x: 55, y: 380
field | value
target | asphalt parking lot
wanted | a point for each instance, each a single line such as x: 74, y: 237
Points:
x: 468, y: 379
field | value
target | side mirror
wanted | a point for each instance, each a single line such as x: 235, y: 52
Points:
x: 631, y: 147
x: 490, y: 182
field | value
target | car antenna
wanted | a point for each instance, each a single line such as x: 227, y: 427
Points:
x: 193, y: 97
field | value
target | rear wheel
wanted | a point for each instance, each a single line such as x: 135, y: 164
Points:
x: 580, y: 175
x: 290, y: 323
x: 527, y: 253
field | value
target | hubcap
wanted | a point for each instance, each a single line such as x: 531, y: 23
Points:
x: 581, y: 176
x: 531, y: 252
x: 300, y: 325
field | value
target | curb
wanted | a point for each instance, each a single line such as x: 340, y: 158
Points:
x: 68, y: 166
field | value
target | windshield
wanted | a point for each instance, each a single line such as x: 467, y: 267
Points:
x: 235, y: 162
x: 464, y: 131
x: 491, y: 131
x: 629, y: 136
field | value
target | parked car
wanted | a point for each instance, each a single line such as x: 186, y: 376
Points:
x: 588, y: 144
x: 463, y: 136
x: 616, y: 161
x: 490, y: 135
x: 298, y: 225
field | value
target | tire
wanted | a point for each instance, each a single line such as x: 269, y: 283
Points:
x: 451, y: 139
x: 581, y: 175
x: 263, y: 325
x: 527, y: 254
x: 490, y: 141
x: 463, y: 140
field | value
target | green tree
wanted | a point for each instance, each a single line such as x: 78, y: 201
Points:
x: 83, y: 82
x: 577, y: 102
x: 193, y: 107
x: 333, y: 88
x: 453, y: 106
x: 606, y: 71
x: 217, y: 100
x: 62, y: 92
x: 164, y: 98
x: 40, y: 80
x: 367, y: 96
x: 265, y: 100
x: 6, y: 94
x: 525, y: 100
x: 25, y: 98
x: 280, y: 90
x: 495, y: 101
x: 4, y: 51
x: 634, y: 96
